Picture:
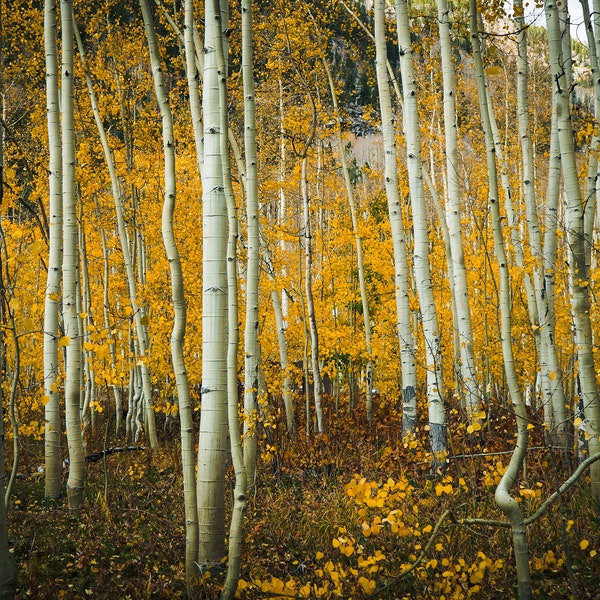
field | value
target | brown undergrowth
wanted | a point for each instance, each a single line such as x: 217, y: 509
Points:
x: 355, y: 513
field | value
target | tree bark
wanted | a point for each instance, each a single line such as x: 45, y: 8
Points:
x: 401, y: 283
x: 422, y: 269
x: 71, y: 339
x: 578, y: 267
x: 188, y: 455
x: 53, y: 431
x: 213, y: 443
x: 504, y: 500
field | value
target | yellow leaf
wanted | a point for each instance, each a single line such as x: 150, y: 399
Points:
x: 319, y: 555
x: 552, y: 375
x: 490, y: 71
x: 65, y: 340
x: 583, y: 544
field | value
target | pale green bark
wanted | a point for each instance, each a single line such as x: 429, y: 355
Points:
x: 52, y: 434
x: 213, y: 443
x: 401, y: 283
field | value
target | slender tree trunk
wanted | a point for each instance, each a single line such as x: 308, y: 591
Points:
x: 504, y: 500
x: 188, y: 456
x: 8, y: 568
x: 138, y: 312
x: 469, y: 381
x: 552, y: 387
x: 244, y: 459
x: 251, y: 347
x: 116, y: 389
x: 401, y: 283
x: 310, y: 305
x: 75, y: 483
x: 213, y: 442
x: 282, y: 344
x: 358, y: 243
x: 429, y: 320
x: 578, y: 267
x: 52, y: 433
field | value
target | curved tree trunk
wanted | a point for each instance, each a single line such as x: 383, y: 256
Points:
x: 188, y: 456
x: 504, y: 500
x: 138, y: 312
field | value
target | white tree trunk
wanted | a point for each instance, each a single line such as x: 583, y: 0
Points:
x: 401, y: 283
x: 469, y: 381
x: 504, y: 500
x: 310, y: 305
x: 139, y: 313
x: 358, y: 242
x: 578, y: 267
x: 76, y: 480
x: 53, y: 431
x: 251, y: 347
x: 213, y: 443
x: 429, y: 320
x: 188, y: 455
x: 552, y: 387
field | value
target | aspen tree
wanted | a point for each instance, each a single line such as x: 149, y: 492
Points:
x: 70, y: 268
x: 401, y: 282
x: 139, y: 314
x: 591, y: 188
x: 242, y: 464
x: 213, y: 443
x: 552, y: 389
x: 578, y: 267
x: 504, y: 500
x: 358, y: 242
x: 53, y: 430
x: 454, y: 215
x: 8, y: 568
x: 193, y: 71
x: 422, y: 274
x: 308, y: 289
x: 178, y: 298
x: 251, y: 347
x: 111, y: 338
x: 281, y: 342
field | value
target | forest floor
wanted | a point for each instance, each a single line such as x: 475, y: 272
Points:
x: 354, y: 514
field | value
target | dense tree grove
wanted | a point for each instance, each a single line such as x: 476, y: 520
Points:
x: 298, y: 299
